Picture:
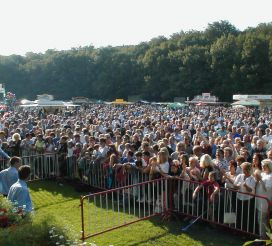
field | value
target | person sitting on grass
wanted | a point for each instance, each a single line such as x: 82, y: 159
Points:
x: 19, y: 193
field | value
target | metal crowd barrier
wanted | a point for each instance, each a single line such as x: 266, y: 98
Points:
x: 96, y: 175
x: 245, y: 212
x: 90, y: 172
x: 108, y: 210
x: 43, y: 166
x: 4, y: 164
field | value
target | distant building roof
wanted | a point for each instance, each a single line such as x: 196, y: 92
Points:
x: 205, y: 98
x: 255, y: 97
x: 45, y: 97
x: 46, y: 100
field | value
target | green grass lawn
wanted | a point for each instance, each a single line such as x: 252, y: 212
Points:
x: 62, y: 202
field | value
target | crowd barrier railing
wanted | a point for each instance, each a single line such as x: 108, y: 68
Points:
x: 111, y: 209
x: 241, y: 211
x: 4, y: 163
x: 95, y: 174
x: 43, y: 166
x: 90, y: 172
x: 108, y: 210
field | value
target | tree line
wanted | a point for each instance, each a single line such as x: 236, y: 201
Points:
x: 221, y: 60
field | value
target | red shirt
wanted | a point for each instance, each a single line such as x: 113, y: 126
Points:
x: 210, y: 186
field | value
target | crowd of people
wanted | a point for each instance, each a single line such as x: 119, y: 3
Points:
x: 215, y: 146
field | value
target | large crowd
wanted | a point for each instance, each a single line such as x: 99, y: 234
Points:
x: 216, y: 146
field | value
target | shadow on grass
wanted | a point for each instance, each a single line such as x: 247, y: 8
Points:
x: 63, y: 187
x: 151, y: 239
x: 202, y: 232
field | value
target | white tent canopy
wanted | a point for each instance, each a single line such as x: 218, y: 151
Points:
x: 46, y: 103
x: 247, y: 103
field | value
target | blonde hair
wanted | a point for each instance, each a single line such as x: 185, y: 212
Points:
x: 206, y: 161
x: 16, y: 135
x: 163, y: 155
x: 153, y: 159
x: 267, y: 162
x: 247, y: 166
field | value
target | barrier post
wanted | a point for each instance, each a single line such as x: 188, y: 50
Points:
x: 82, y: 219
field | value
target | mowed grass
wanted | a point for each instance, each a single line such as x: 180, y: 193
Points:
x: 62, y: 202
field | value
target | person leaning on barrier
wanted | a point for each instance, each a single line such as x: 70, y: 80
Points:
x: 263, y: 188
x: 163, y: 163
x: 19, y: 193
x: 84, y: 165
x: 9, y: 176
x: 230, y: 176
x: 245, y: 183
x: 206, y: 165
x: 211, y: 190
x: 62, y: 156
x: 193, y: 170
x: 15, y: 144
x: 211, y: 185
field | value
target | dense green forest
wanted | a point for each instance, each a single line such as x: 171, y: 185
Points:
x: 221, y: 59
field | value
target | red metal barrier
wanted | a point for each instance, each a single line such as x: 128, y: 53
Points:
x: 108, y: 210
x: 172, y: 195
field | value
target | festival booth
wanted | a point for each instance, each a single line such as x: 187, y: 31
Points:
x: 46, y: 103
x: 120, y: 102
x: 261, y: 101
x: 252, y: 103
x: 205, y: 99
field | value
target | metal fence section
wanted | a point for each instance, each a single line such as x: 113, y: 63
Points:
x: 4, y: 164
x: 108, y: 210
x: 96, y: 174
x: 90, y: 172
x: 130, y: 196
x: 245, y: 212
x: 111, y: 209
x: 43, y: 166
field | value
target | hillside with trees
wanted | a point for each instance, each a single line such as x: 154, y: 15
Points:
x: 221, y: 60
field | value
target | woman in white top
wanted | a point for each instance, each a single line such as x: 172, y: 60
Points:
x: 163, y: 164
x: 229, y: 178
x: 160, y: 168
x: 245, y: 183
x: 263, y: 188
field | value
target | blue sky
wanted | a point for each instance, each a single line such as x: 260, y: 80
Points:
x: 38, y: 25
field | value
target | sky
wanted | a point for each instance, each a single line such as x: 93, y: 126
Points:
x: 39, y: 25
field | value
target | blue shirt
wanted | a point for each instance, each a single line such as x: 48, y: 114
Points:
x: 19, y: 193
x: 8, y: 177
x: 4, y: 154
